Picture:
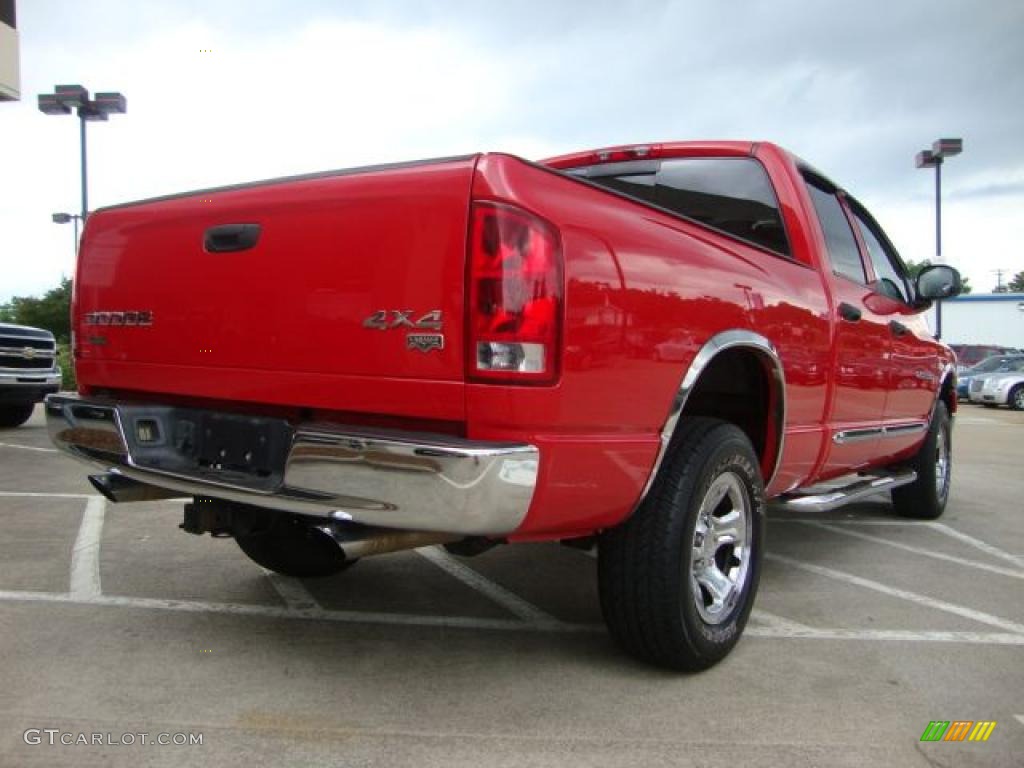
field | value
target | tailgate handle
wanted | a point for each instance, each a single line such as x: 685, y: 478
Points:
x: 225, y: 238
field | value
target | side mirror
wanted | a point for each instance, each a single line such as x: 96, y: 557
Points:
x: 938, y: 281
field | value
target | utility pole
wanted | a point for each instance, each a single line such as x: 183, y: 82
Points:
x: 1000, y: 288
x: 933, y: 158
x: 68, y: 97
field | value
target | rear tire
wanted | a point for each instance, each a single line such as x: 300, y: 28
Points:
x: 293, y: 547
x: 678, y: 579
x: 925, y: 498
x: 15, y: 415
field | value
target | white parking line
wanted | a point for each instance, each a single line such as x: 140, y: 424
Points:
x: 903, y: 594
x: 85, y: 557
x: 507, y: 600
x: 776, y: 623
x: 299, y: 604
x: 276, y: 612
x: 978, y: 544
x: 25, y: 495
x: 843, y: 531
x: 889, y: 635
x: 1020, y: 719
x: 939, y: 527
x: 904, y: 523
x: 500, y: 625
x: 293, y: 592
x: 29, y: 448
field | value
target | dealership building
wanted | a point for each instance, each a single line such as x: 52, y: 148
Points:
x: 983, y: 318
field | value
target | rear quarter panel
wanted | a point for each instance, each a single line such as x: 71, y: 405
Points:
x: 644, y: 291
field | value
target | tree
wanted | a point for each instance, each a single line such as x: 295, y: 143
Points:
x: 52, y: 311
x: 914, y: 267
x: 1017, y: 283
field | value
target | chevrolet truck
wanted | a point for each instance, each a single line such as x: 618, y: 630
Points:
x: 638, y: 346
x: 28, y: 371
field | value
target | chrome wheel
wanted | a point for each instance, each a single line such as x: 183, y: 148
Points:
x: 720, y: 559
x: 941, y: 464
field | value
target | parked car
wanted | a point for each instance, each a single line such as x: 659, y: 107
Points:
x: 1001, y: 388
x: 28, y: 371
x: 993, y: 364
x: 355, y: 362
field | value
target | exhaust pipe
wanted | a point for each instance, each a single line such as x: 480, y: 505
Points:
x: 357, y: 541
x: 118, y: 488
x: 353, y: 540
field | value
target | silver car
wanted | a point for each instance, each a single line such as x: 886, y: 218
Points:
x: 1003, y: 388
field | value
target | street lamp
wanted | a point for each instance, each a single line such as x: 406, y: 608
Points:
x: 64, y: 218
x: 932, y: 158
x: 67, y: 97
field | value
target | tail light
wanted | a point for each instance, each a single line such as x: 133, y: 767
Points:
x: 515, y: 296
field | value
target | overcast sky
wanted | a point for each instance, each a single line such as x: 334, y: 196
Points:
x: 289, y: 87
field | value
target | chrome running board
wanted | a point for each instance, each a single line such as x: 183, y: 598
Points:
x: 833, y: 498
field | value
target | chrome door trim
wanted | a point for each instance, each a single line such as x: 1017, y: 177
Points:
x: 860, y: 434
x: 848, y: 436
x: 910, y: 428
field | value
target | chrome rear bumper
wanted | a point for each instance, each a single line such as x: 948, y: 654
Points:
x: 374, y: 477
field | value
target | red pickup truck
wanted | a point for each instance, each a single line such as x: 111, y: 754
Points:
x: 639, y: 345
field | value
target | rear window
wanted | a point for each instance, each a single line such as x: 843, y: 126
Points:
x: 729, y: 194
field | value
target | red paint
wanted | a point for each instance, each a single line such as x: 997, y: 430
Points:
x: 280, y: 326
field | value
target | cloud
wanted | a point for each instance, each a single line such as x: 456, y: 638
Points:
x: 855, y: 89
x: 1012, y: 188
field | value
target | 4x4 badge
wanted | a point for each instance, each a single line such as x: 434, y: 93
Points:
x: 388, y: 319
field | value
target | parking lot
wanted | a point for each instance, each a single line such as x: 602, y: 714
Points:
x: 866, y: 628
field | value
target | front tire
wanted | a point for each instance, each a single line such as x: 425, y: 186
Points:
x: 678, y: 579
x: 1016, y: 398
x: 925, y: 498
x: 15, y: 415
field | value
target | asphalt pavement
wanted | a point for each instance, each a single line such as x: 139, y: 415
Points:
x: 867, y: 627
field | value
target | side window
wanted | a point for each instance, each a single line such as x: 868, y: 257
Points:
x: 731, y: 194
x: 839, y: 239
x: 883, y: 257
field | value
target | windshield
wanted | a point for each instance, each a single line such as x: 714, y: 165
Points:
x: 993, y: 364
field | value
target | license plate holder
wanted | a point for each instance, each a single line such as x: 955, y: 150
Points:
x: 222, y: 447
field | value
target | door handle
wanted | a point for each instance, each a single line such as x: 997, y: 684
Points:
x: 226, y: 238
x: 898, y: 328
x: 849, y: 312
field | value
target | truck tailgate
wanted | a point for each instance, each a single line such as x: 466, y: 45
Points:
x: 345, y: 267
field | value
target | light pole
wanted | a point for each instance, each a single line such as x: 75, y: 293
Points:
x: 932, y: 158
x: 64, y: 218
x: 67, y: 97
